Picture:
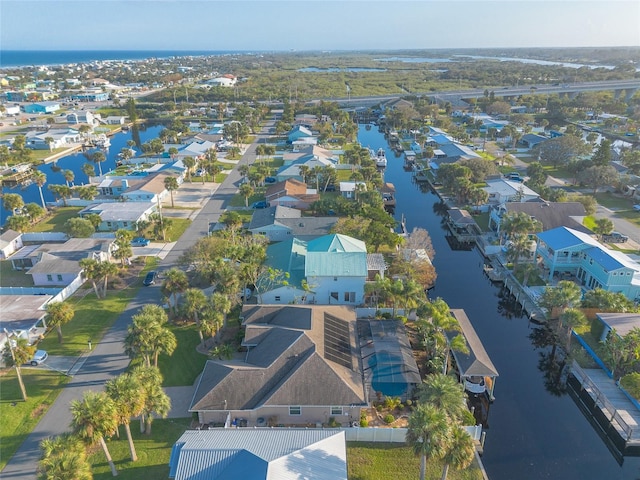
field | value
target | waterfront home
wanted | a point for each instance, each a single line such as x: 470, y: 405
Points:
x: 550, y: 214
x: 501, y: 191
x: 83, y: 116
x: 115, y: 216
x: 52, y: 139
x: 349, y: 189
x: 259, y: 454
x: 280, y: 223
x: 564, y: 251
x: 301, y: 367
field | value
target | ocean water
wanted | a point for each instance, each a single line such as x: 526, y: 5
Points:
x: 25, y: 58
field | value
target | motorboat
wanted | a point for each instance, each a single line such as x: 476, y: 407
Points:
x: 475, y: 385
x: 381, y: 158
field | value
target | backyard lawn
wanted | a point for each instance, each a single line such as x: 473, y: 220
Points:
x: 55, y: 222
x: 13, y: 278
x: 186, y: 363
x: 18, y: 418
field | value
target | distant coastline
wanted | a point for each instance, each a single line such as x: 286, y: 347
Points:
x: 28, y: 58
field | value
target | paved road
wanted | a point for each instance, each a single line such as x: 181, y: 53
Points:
x: 107, y: 360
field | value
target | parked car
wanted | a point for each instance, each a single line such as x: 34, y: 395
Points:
x: 637, y: 207
x: 150, y: 279
x: 615, y: 237
x: 140, y: 242
x: 270, y: 180
x: 199, y: 172
x: 39, y: 357
x: 260, y: 204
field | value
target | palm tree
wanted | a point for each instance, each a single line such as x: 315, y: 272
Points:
x: 195, y: 301
x: 246, y: 190
x: 189, y: 163
x: 175, y: 282
x: 171, y: 184
x: 129, y: 401
x: 58, y: 314
x: 63, y: 458
x: 17, y: 352
x: 40, y: 178
x: 68, y: 176
x: 93, y: 418
x: 89, y: 170
x: 156, y: 402
x: 564, y: 295
x: 148, y: 336
x: 428, y: 434
x: 98, y: 158
x: 572, y: 318
x: 459, y: 451
x: 221, y: 303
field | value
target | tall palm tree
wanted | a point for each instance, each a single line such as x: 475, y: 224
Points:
x: 175, y: 282
x: 93, y: 418
x: 171, y: 184
x: 246, y: 190
x: 17, y: 352
x: 68, y: 176
x: 129, y: 401
x: 98, y: 158
x: 63, y: 458
x: 445, y: 393
x: 40, y: 178
x: 571, y: 318
x: 428, y: 434
x: 195, y: 302
x: 221, y: 303
x: 459, y: 451
x: 148, y: 336
x: 58, y: 314
x: 156, y: 402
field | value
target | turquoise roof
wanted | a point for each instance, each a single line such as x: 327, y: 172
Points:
x: 336, y: 243
x: 288, y: 256
x: 336, y: 264
x: 604, y: 259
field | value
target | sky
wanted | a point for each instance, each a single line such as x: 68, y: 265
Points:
x: 266, y: 25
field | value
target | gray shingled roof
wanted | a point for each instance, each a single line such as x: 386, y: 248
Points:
x: 552, y: 214
x: 477, y: 361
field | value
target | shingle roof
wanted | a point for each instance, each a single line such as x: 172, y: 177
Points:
x: 259, y: 454
x: 552, y: 214
x: 477, y: 361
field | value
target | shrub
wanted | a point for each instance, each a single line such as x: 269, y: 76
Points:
x: 333, y: 423
x: 379, y: 407
x: 409, y: 402
x: 388, y: 418
x: 364, y: 422
x: 392, y: 402
x: 631, y: 383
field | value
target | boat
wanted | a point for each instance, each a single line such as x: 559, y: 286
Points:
x: 475, y: 385
x: 420, y: 173
x: 381, y: 158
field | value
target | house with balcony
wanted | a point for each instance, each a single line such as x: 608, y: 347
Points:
x: 550, y: 214
x: 564, y: 251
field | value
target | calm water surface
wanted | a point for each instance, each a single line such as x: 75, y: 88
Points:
x: 532, y: 434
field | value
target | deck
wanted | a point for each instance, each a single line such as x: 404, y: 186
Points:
x: 618, y: 409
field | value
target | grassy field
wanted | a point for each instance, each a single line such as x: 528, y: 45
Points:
x: 55, y: 222
x: 18, y: 418
x: 13, y: 278
x: 186, y: 363
x: 153, y: 451
x: 380, y: 461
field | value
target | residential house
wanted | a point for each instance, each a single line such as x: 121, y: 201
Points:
x: 97, y: 96
x: 301, y: 367
x: 621, y: 323
x: 531, y: 140
x: 292, y: 171
x: 23, y: 316
x: 298, y: 132
x: 84, y: 117
x: 115, y: 216
x: 10, y: 242
x: 262, y: 454
x: 291, y: 193
x: 451, y: 153
x: 306, y: 120
x: 502, y: 191
x: 150, y: 189
x: 225, y: 80
x: 280, y: 223
x: 115, y: 120
x: 564, y: 251
x: 52, y: 139
x: 349, y: 189
x: 42, y: 107
x: 550, y: 214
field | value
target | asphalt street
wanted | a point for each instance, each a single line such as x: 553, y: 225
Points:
x: 107, y: 359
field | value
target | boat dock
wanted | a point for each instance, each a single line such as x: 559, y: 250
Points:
x: 609, y: 408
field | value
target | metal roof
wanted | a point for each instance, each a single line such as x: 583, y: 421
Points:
x: 563, y: 237
x: 260, y: 454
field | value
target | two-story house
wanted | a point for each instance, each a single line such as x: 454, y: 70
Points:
x: 564, y: 250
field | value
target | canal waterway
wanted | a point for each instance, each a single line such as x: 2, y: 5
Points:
x: 535, y: 430
x: 74, y: 162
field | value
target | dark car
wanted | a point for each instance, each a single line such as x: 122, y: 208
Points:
x: 270, y: 180
x: 140, y: 242
x: 150, y: 279
x: 260, y: 204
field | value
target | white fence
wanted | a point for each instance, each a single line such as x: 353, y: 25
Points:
x: 393, y: 435
x: 39, y: 237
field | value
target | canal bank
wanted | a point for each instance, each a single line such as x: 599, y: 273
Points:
x: 535, y: 430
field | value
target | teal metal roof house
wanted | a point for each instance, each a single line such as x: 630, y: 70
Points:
x: 567, y: 251
x: 263, y: 454
x: 42, y: 107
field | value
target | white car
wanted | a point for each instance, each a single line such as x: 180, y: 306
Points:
x: 39, y: 357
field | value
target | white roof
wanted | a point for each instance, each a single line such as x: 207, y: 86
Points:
x: 508, y: 187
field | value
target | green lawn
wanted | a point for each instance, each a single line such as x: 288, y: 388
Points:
x: 91, y: 320
x: 13, y: 278
x: 55, y: 222
x: 381, y: 461
x: 153, y: 451
x: 18, y: 418
x: 614, y: 202
x: 483, y: 221
x: 186, y: 363
x: 177, y: 228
